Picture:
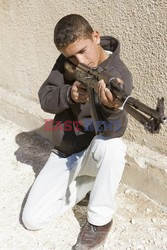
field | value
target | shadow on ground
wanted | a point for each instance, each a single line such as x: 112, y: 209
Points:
x: 33, y: 150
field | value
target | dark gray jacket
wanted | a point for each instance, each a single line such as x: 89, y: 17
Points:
x: 69, y: 135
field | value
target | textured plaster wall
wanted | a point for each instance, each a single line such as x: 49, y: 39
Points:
x: 27, y: 52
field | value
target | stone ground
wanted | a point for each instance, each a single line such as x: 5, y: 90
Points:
x: 139, y: 222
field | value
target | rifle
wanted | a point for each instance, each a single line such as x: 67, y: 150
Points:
x: 150, y: 118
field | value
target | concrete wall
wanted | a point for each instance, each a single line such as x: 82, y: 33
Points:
x: 27, y: 54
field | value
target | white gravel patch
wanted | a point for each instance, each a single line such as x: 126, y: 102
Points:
x: 139, y: 223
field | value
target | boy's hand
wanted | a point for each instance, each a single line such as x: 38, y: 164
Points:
x: 78, y: 93
x: 106, y: 97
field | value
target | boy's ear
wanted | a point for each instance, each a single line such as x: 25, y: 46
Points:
x: 96, y: 37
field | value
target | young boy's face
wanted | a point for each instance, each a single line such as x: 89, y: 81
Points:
x: 85, y: 50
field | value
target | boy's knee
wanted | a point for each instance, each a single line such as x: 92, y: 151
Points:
x: 30, y: 221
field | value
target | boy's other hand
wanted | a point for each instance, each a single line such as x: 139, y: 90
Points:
x: 78, y: 93
x: 106, y: 97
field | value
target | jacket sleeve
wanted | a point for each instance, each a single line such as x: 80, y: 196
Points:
x: 54, y: 93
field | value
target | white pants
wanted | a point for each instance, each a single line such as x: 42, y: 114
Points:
x: 63, y: 182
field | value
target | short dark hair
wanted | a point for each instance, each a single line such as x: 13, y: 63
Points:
x: 69, y: 29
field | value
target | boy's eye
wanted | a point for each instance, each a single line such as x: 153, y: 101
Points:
x: 82, y: 51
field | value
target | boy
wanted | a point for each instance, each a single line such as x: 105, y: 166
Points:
x: 81, y: 161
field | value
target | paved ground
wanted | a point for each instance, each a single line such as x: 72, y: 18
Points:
x: 139, y: 222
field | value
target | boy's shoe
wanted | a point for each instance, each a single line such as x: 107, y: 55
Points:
x: 91, y: 236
